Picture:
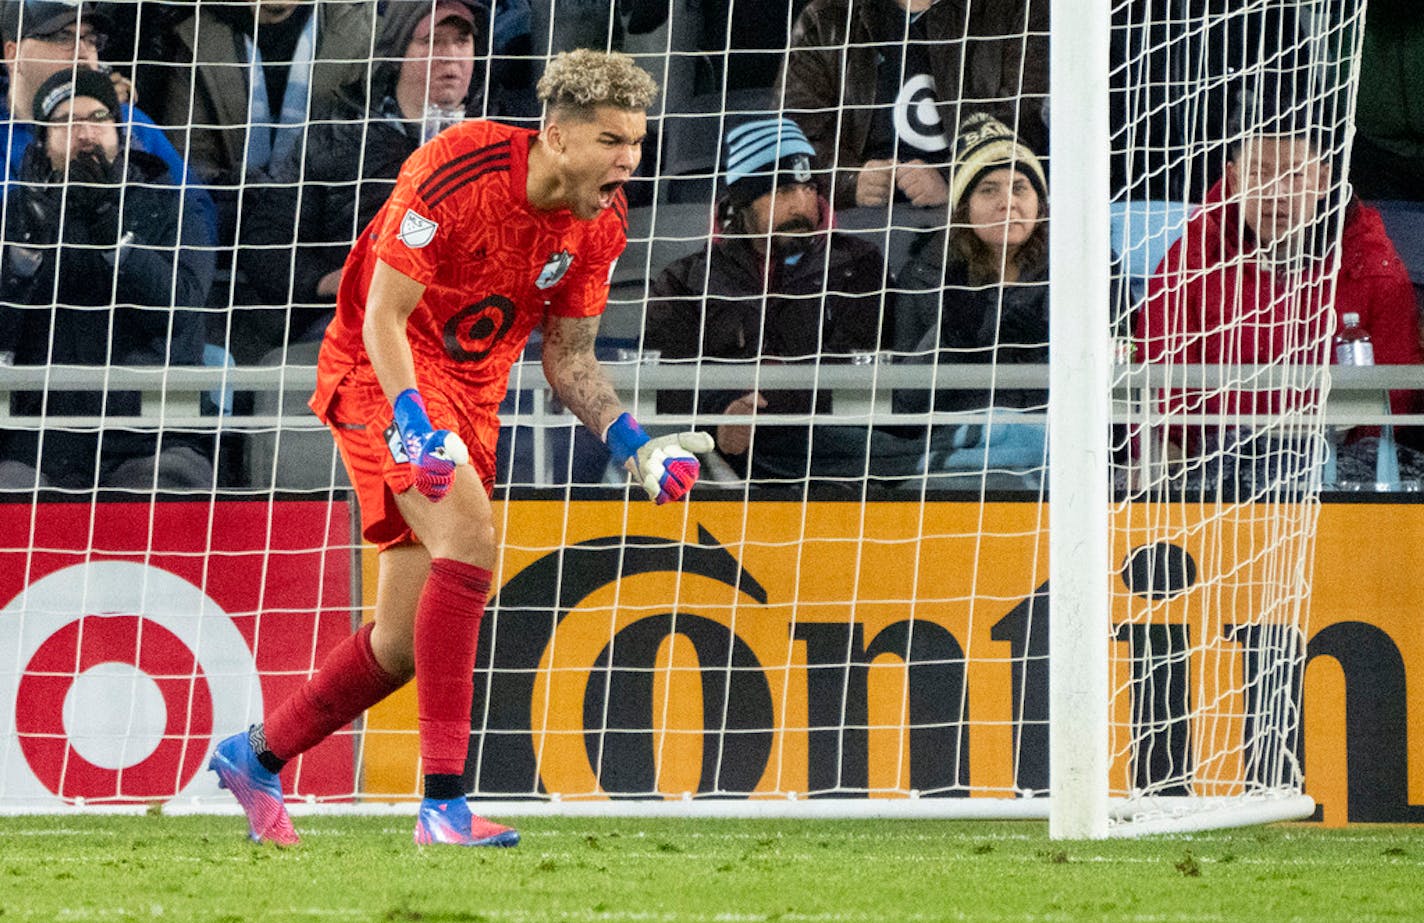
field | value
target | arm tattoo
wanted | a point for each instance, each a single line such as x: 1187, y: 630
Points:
x: 574, y: 372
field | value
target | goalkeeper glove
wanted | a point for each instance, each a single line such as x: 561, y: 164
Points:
x: 665, y: 466
x: 434, y: 453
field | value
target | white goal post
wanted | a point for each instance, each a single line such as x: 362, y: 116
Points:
x: 892, y: 604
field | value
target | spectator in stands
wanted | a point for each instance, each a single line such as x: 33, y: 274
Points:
x: 426, y: 74
x: 512, y: 73
x: 776, y: 284
x: 1252, y: 280
x: 977, y: 292
x: 278, y: 55
x: 878, y: 84
x: 44, y: 38
x: 1388, y: 158
x: 98, y: 267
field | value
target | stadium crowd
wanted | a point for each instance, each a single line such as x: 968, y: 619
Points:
x: 202, y: 170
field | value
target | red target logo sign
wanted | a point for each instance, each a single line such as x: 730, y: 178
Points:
x: 125, y: 671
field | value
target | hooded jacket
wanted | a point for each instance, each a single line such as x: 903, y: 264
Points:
x: 355, y: 151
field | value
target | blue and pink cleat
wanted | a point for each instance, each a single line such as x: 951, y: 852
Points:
x: 450, y: 823
x: 256, y: 788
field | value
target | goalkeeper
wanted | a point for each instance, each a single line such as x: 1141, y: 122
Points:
x: 491, y: 231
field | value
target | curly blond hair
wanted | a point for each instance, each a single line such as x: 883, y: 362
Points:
x: 576, y: 82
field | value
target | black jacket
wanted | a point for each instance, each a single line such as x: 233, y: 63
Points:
x: 112, y: 293
x: 827, y: 304
x: 356, y: 144
x: 832, y: 303
x: 941, y: 317
x: 988, y: 56
x: 353, y: 158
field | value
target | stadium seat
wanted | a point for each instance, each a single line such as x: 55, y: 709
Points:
x: 1405, y: 223
x: 1142, y: 233
x: 218, y: 401
x: 657, y: 235
x: 286, y: 458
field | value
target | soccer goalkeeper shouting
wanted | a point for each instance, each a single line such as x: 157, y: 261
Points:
x: 490, y: 231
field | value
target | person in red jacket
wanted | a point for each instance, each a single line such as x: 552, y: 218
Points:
x: 1257, y: 278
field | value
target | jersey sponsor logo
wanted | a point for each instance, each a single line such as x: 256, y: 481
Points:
x: 416, y: 231
x: 472, y: 333
x: 396, y: 444
x: 554, y: 269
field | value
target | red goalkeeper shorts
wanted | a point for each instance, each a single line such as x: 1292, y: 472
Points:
x: 362, y: 421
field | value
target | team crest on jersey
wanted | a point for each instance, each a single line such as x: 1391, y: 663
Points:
x: 416, y: 231
x: 554, y: 269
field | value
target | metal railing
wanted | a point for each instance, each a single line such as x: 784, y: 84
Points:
x: 861, y: 393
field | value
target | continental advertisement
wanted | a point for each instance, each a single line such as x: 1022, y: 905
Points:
x: 728, y: 649
x: 731, y: 649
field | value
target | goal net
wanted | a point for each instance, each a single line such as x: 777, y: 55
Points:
x: 852, y: 613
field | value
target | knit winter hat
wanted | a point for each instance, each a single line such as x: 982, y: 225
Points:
x: 65, y: 85
x: 983, y: 144
x: 761, y: 153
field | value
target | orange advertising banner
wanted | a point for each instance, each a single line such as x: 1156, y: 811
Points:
x: 884, y: 648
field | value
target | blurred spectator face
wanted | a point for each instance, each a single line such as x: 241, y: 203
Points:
x: 1279, y: 182
x: 915, y: 6
x: 270, y: 12
x: 788, y: 216
x: 1003, y: 209
x: 444, y: 55
x: 31, y: 61
x: 81, y: 126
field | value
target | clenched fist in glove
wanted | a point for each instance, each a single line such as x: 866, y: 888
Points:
x: 434, y: 453
x: 665, y: 466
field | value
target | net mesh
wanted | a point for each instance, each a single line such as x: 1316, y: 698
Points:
x: 855, y: 606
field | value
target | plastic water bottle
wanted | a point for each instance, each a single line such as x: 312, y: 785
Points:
x: 1353, y: 345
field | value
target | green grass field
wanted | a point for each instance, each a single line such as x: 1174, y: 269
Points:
x: 63, y: 868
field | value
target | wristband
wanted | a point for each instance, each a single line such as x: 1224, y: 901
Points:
x: 624, y: 437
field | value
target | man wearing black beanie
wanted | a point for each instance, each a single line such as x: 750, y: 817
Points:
x: 777, y: 284
x: 92, y: 225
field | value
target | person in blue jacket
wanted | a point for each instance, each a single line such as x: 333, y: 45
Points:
x: 39, y: 38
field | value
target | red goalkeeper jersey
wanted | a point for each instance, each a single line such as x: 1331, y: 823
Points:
x: 459, y: 221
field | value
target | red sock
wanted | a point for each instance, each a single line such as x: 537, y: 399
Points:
x: 447, y: 629
x: 349, y: 682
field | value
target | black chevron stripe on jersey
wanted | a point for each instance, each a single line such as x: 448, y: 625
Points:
x: 437, y: 183
x: 466, y: 179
